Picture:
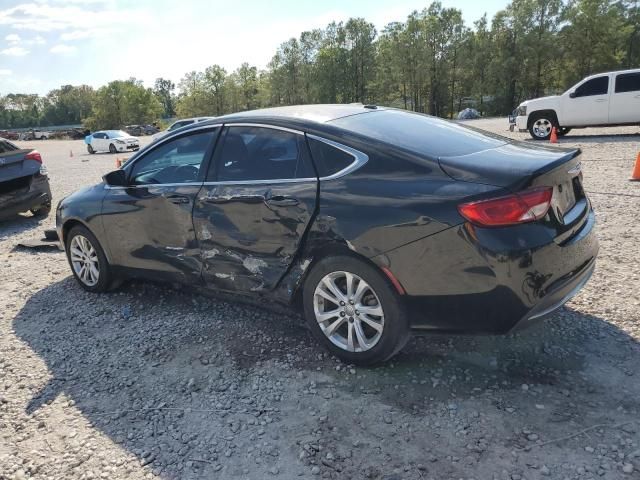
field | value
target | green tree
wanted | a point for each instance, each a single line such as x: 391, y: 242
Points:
x: 123, y: 102
x: 163, y: 89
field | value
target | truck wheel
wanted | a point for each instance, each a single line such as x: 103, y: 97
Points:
x: 540, y: 126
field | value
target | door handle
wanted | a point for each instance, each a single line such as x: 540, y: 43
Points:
x: 601, y: 100
x: 178, y: 199
x: 281, y: 201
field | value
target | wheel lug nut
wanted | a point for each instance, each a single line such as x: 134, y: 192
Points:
x: 342, y: 304
x: 342, y: 314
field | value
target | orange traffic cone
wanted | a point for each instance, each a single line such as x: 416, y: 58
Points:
x: 635, y: 175
x: 70, y: 153
x: 118, y: 163
x: 554, y: 135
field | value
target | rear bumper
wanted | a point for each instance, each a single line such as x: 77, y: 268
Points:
x: 38, y: 193
x: 471, y: 280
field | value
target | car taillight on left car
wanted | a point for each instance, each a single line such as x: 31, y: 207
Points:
x: 34, y: 155
x: 522, y: 207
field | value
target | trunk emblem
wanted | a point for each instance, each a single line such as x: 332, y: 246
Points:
x: 575, y: 169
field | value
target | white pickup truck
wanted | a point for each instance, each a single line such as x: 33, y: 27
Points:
x: 603, y: 100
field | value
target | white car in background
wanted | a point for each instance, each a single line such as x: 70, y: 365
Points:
x: 602, y: 100
x: 178, y: 124
x: 112, y: 141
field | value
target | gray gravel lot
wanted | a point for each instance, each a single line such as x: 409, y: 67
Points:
x: 151, y: 382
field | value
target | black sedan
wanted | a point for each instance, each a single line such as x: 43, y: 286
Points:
x: 24, y: 183
x: 375, y: 222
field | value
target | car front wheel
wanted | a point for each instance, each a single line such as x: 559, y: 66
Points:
x: 540, y: 127
x: 87, y: 260
x: 112, y: 148
x: 354, y: 311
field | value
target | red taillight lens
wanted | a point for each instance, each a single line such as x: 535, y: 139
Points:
x: 34, y: 155
x: 521, y: 207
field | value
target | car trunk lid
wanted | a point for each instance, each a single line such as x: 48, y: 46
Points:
x: 13, y: 164
x: 518, y: 167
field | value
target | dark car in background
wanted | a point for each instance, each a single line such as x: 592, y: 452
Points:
x: 375, y: 222
x: 24, y: 183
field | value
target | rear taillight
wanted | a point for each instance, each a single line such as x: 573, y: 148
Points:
x: 521, y: 207
x: 34, y: 155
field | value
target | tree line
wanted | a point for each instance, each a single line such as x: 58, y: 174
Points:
x: 432, y: 62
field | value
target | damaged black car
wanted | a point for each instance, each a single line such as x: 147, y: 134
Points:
x: 24, y: 182
x: 376, y: 223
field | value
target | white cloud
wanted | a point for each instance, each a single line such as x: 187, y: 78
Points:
x: 12, y: 39
x: 83, y: 34
x: 14, y: 51
x: 63, y: 49
x: 37, y: 40
x: 4, y: 72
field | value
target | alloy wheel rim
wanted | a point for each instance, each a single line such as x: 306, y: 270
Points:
x: 348, y: 311
x: 84, y: 260
x: 542, y: 127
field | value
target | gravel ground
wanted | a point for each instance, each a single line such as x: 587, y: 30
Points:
x: 150, y: 382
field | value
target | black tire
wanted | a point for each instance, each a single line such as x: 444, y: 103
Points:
x: 562, y: 131
x: 42, y: 211
x: 112, y: 148
x: 105, y: 277
x: 395, y: 331
x: 90, y: 149
x: 541, y: 124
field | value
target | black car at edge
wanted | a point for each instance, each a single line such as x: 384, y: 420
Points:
x: 375, y: 222
x: 24, y: 182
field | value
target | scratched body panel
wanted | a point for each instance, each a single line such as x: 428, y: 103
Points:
x: 149, y: 232
x: 247, y: 242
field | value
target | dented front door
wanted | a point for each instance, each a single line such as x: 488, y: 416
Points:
x: 249, y: 233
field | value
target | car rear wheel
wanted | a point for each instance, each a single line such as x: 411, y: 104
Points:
x: 87, y: 260
x: 540, y: 127
x: 90, y: 149
x: 112, y: 148
x: 353, y: 310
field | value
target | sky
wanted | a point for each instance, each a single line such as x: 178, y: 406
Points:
x: 48, y: 43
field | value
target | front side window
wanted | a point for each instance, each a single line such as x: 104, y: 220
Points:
x: 260, y: 153
x: 595, y: 86
x: 628, y: 82
x: 176, y: 161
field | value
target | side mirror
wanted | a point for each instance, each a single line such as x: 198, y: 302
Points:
x: 117, y: 178
x: 572, y: 95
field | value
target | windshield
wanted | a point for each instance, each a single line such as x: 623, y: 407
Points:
x: 116, y: 133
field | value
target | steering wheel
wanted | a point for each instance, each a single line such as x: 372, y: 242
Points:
x: 186, y: 172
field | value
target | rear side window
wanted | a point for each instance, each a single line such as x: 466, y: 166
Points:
x: 259, y: 153
x: 595, y: 86
x: 628, y: 82
x: 420, y: 133
x: 328, y: 159
x: 6, y: 147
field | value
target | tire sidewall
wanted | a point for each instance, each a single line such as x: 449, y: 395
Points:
x: 396, y: 327
x: 104, y: 277
x: 534, y: 119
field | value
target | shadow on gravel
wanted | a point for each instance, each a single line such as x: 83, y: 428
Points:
x: 18, y: 223
x: 124, y: 357
x: 585, y: 138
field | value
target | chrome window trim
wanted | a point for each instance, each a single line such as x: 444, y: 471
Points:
x: 359, y: 158
x: 264, y: 125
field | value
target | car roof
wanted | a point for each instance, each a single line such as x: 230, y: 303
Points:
x: 302, y: 113
x: 617, y: 72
